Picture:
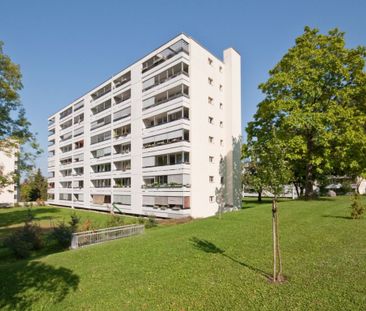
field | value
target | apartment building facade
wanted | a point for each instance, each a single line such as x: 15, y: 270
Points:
x: 161, y: 137
x: 8, y: 166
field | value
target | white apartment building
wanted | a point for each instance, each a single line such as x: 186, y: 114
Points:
x: 8, y: 165
x: 162, y: 137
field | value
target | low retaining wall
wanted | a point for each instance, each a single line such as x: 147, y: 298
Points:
x: 81, y: 239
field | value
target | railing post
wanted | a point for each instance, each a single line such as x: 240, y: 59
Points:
x: 74, y: 241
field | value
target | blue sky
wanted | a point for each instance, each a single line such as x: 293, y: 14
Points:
x: 67, y: 47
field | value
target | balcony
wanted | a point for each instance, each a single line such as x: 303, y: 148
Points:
x: 122, y: 132
x: 167, y: 117
x: 122, y: 97
x: 166, y: 139
x: 122, y: 79
x: 122, y: 183
x: 171, y: 73
x: 163, y: 97
x: 101, y: 92
x: 65, y: 113
x: 51, y: 122
x: 174, y: 49
x: 167, y: 182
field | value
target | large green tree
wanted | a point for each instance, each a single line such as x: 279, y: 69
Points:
x: 315, y: 98
x: 15, y: 133
x: 34, y: 187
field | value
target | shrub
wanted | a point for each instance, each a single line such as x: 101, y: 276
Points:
x: 15, y: 243
x: 151, y: 222
x: 346, y: 187
x: 140, y: 220
x: 87, y: 225
x: 115, y: 221
x: 30, y: 216
x: 63, y: 235
x: 357, y: 208
x: 40, y: 202
x: 23, y: 240
x: 74, y: 222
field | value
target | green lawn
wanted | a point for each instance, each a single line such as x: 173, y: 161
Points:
x: 208, y: 264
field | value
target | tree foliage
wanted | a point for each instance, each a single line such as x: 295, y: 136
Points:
x: 34, y: 187
x: 15, y: 134
x: 315, y: 98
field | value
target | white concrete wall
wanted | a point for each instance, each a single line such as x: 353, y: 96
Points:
x: 8, y: 194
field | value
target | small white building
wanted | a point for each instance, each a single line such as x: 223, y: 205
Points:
x: 8, y: 165
x: 161, y: 137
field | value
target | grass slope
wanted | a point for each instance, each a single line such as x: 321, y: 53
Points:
x: 48, y: 216
x: 208, y: 264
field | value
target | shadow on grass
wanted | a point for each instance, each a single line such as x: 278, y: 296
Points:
x: 340, y: 217
x: 19, y: 216
x: 24, y: 283
x: 211, y: 248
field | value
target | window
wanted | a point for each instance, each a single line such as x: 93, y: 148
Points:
x: 211, y: 159
x: 79, y: 157
x: 210, y: 178
x: 210, y: 120
x: 78, y: 119
x: 177, y: 47
x: 221, y: 124
x: 221, y: 105
x: 166, y: 75
x: 100, y: 137
x: 210, y: 61
x: 163, y: 97
x: 101, y: 183
x: 79, y: 105
x: 122, y: 182
x: 66, y: 113
x: 101, y: 107
x: 210, y: 139
x: 210, y: 81
x: 79, y: 144
x: 100, y: 199
x: 122, y: 79
x: 103, y: 152
x: 221, y: 87
x: 220, y: 68
x: 211, y: 199
x: 66, y: 148
x: 100, y: 168
x: 122, y: 131
x: 122, y: 97
x: 66, y: 124
x: 166, y: 138
x: 79, y: 171
x: 210, y: 100
x: 222, y: 180
x: 102, y: 91
x: 221, y: 142
x: 101, y: 122
x: 122, y: 199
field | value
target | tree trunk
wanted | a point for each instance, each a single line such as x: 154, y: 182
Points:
x: 274, y: 237
x: 309, y: 182
x: 279, y: 275
x: 260, y: 196
x: 297, y: 189
x: 309, y: 170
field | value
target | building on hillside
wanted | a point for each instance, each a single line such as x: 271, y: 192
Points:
x: 8, y: 165
x: 161, y: 137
